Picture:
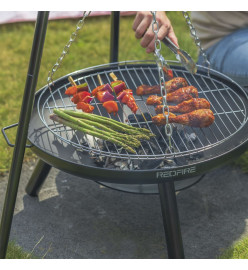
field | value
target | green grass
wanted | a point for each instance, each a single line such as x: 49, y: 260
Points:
x: 14, y: 251
x: 91, y: 48
x: 242, y: 162
x: 239, y: 250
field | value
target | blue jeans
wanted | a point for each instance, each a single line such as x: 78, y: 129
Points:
x: 230, y: 56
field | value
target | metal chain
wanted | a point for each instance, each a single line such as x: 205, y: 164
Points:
x: 160, y: 64
x: 66, y: 49
x: 196, y: 38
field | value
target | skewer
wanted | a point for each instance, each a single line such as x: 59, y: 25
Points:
x: 99, y: 79
x: 113, y: 76
x: 85, y: 106
x: 101, y: 83
x: 73, y: 83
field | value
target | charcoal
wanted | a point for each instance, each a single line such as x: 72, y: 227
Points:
x: 100, y: 144
x: 170, y: 162
x: 149, y: 164
x: 111, y: 160
x: 182, y: 140
x: 191, y: 137
x: 180, y: 161
x: 195, y: 156
x: 122, y: 165
x: 106, y: 162
x: 136, y: 167
x: 99, y: 160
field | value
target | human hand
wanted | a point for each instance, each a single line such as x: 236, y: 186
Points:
x: 142, y: 26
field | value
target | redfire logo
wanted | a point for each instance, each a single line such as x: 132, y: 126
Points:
x: 174, y: 173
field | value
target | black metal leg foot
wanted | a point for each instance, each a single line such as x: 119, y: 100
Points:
x: 171, y: 220
x: 38, y: 177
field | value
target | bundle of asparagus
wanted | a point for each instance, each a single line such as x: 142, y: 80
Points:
x: 104, y: 128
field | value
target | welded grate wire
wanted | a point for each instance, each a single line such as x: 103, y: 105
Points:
x: 229, y: 110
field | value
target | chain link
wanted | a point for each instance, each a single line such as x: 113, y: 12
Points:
x: 196, y: 38
x: 160, y: 64
x: 66, y: 49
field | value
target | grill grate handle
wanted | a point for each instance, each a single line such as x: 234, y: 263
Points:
x: 7, y: 139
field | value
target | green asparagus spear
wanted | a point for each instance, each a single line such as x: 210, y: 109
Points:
x: 132, y: 138
x: 112, y: 123
x: 91, y: 132
x: 129, y: 141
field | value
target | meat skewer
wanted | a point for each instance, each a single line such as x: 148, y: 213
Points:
x: 198, y: 118
x: 75, y: 89
x: 104, y: 94
x: 186, y: 106
x: 181, y: 94
x: 123, y: 94
x: 171, y: 86
x: 81, y: 96
x: 121, y: 89
x: 117, y: 85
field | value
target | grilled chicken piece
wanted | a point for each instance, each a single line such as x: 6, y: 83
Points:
x: 154, y: 100
x: 160, y: 119
x: 198, y: 118
x: 175, y: 84
x: 181, y: 94
x: 186, y: 106
x: 170, y: 86
x: 129, y: 100
x: 147, y: 89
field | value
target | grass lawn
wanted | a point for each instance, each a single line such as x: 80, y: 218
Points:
x: 90, y: 49
x: 15, y: 252
x: 238, y: 250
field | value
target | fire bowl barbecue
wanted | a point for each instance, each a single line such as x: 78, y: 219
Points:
x: 194, y: 152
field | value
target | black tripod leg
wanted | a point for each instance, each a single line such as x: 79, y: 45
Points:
x: 38, y: 177
x: 171, y: 220
x: 21, y: 135
x: 114, y: 37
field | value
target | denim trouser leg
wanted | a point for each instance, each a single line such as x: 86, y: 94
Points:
x: 230, y: 56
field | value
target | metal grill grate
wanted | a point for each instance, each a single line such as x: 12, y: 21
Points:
x: 228, y: 107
